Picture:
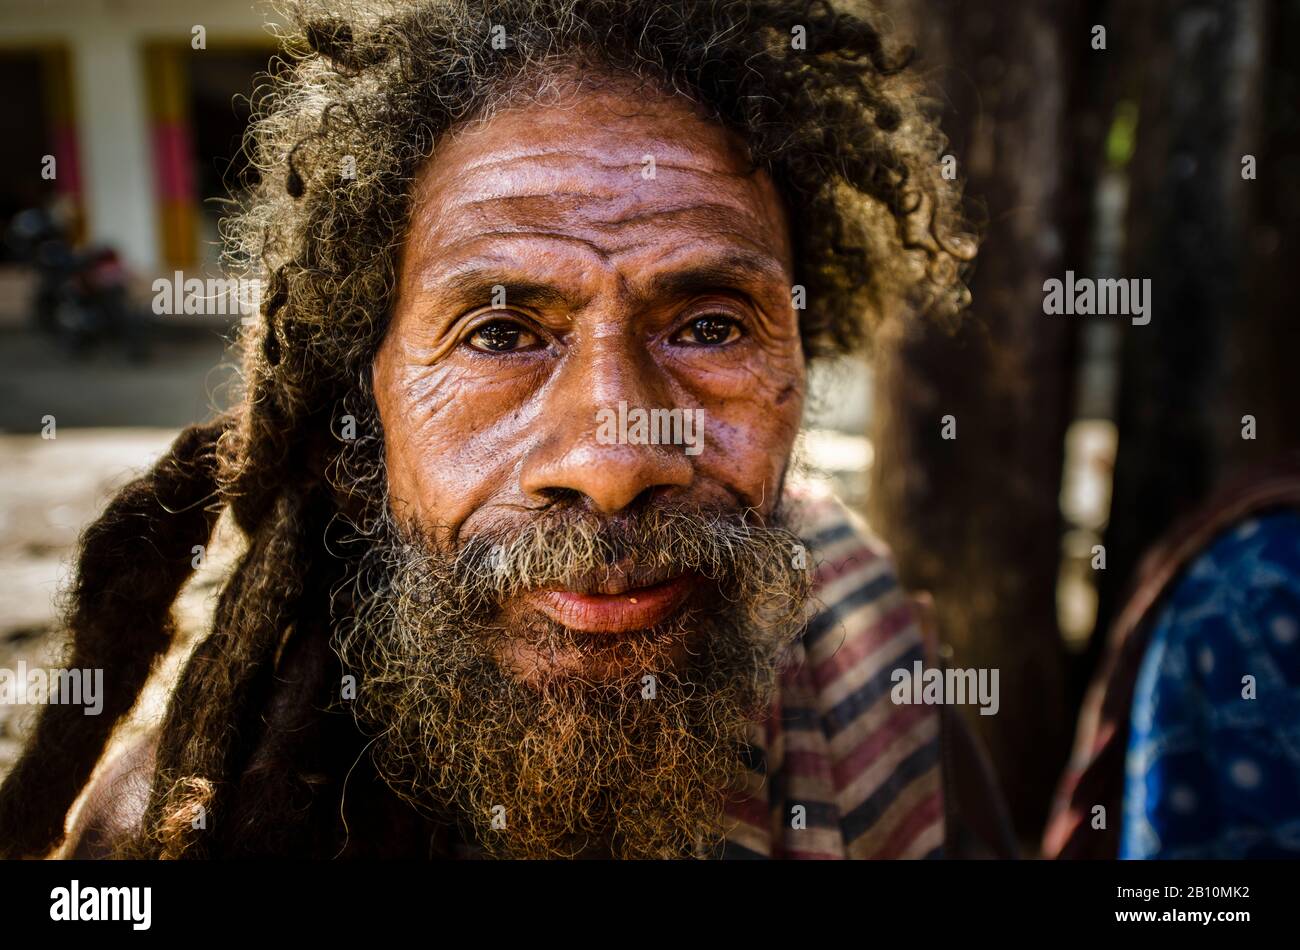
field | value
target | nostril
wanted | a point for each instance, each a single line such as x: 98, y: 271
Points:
x: 561, y: 496
x: 644, y: 500
x: 571, y: 497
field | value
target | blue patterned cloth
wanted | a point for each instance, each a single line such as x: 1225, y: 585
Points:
x: 1210, y: 773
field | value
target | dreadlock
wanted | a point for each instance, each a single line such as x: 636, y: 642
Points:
x: 342, y: 128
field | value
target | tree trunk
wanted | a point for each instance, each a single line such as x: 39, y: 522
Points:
x: 975, y: 520
x: 1179, y: 413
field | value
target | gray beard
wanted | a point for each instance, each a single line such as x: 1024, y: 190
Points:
x: 638, y: 762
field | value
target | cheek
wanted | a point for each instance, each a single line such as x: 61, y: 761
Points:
x: 753, y: 411
x: 452, y: 438
x: 749, y: 444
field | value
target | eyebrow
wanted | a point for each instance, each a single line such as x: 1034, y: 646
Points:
x: 733, y: 270
x: 472, y: 283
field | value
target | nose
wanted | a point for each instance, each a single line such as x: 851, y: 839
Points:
x: 594, y: 393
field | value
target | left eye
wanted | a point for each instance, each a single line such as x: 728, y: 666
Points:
x: 502, y: 336
x: 711, y: 330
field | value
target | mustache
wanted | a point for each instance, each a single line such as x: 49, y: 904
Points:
x: 585, y: 552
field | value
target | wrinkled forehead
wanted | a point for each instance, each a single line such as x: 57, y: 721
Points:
x: 604, y: 163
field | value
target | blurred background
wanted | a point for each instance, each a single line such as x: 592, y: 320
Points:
x: 122, y: 131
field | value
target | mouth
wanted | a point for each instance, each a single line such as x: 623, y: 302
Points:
x: 614, y: 606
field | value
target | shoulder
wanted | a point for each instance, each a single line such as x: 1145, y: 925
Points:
x: 855, y: 586
x: 1208, y: 759
x: 866, y: 626
x: 829, y: 526
x: 1235, y: 607
x: 113, y: 805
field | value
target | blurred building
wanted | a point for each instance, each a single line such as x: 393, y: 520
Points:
x: 141, y: 105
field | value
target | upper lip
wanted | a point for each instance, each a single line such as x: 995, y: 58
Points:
x: 632, y: 605
x: 617, y: 579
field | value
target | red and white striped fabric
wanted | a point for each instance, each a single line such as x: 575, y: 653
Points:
x: 865, y: 770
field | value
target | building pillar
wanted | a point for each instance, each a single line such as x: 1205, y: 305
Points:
x: 117, y: 167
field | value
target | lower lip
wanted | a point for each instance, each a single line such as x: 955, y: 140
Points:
x: 636, y: 609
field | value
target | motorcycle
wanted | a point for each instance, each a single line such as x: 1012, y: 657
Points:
x: 81, y: 297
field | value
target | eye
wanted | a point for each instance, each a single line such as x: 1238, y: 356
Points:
x: 503, y: 336
x: 711, y: 330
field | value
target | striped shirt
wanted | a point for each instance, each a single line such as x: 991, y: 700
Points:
x: 838, y: 770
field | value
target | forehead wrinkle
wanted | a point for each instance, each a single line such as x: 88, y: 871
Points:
x: 718, y: 219
x: 577, y: 198
x: 499, y: 170
x: 436, y: 275
x: 470, y: 194
x: 674, y: 132
x: 666, y: 155
x: 743, y: 260
x: 493, y: 189
x: 610, y: 217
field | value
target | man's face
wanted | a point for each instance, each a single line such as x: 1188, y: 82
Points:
x: 567, y: 626
x: 562, y: 261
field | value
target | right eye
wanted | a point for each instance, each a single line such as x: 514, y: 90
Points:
x: 503, y: 336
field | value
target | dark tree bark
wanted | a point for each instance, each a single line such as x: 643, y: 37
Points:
x: 1028, y: 100
x: 976, y: 520
x: 1265, y: 344
x: 1196, y: 69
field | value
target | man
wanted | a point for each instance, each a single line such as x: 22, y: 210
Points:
x: 524, y: 576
